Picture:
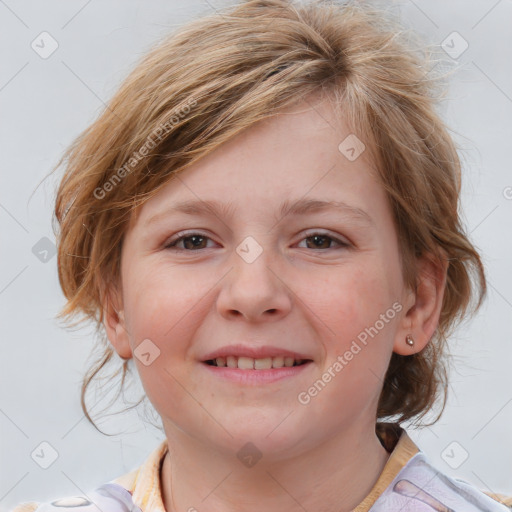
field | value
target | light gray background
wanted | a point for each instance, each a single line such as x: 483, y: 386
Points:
x: 45, y: 103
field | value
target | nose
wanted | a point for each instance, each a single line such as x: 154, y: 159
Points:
x: 255, y: 290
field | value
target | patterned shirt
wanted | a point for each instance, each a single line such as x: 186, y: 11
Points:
x: 408, y: 482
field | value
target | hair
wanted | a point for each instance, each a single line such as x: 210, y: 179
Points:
x: 220, y: 74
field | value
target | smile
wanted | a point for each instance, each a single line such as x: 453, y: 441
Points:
x: 255, y: 372
x: 249, y: 363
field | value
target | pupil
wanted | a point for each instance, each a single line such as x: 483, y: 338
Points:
x: 194, y: 244
x: 320, y: 237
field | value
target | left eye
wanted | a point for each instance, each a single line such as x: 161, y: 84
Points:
x: 323, y: 239
x: 192, y: 241
x: 195, y: 241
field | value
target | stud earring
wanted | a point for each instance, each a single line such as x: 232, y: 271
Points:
x: 409, y: 340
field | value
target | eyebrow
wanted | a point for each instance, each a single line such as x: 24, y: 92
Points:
x: 299, y: 207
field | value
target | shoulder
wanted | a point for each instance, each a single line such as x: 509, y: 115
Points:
x: 27, y: 506
x: 111, y: 497
x: 420, y: 486
x: 501, y: 498
x: 118, y: 495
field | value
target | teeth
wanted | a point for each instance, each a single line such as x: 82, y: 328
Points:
x: 262, y: 364
x: 248, y: 363
x: 245, y: 363
x: 278, y: 362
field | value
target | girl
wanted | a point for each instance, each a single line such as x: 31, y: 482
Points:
x: 265, y: 221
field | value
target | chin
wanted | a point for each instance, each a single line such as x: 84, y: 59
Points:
x: 271, y: 434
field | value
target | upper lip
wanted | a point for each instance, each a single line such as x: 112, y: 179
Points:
x: 260, y: 352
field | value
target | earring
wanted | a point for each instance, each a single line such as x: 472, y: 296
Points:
x: 409, y: 340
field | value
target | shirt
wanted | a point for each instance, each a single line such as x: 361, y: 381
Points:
x: 408, y: 482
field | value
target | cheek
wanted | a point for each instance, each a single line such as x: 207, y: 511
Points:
x: 166, y: 308
x: 161, y: 313
x: 349, y: 299
x: 158, y: 301
x: 356, y: 322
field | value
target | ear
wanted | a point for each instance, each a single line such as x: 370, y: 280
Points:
x: 423, y: 305
x: 114, y: 321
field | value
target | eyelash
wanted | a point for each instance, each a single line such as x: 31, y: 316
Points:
x: 182, y: 236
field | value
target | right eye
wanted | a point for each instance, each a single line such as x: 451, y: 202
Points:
x: 191, y: 242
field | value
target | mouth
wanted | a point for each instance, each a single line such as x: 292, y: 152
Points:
x: 249, y: 363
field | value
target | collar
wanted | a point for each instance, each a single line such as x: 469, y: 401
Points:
x: 401, y: 448
x: 144, y: 483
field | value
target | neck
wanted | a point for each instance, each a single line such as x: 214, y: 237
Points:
x: 340, y: 472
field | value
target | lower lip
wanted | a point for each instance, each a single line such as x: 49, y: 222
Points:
x: 256, y: 377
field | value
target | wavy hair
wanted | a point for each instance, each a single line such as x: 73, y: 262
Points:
x: 218, y: 75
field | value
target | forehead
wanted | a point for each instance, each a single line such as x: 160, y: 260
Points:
x: 298, y: 153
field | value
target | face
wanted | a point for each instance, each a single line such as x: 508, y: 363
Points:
x: 323, y: 284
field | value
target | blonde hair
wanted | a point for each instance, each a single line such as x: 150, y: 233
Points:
x: 220, y: 74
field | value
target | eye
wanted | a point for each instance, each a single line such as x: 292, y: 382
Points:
x: 191, y: 241
x: 322, y: 241
x: 197, y: 241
